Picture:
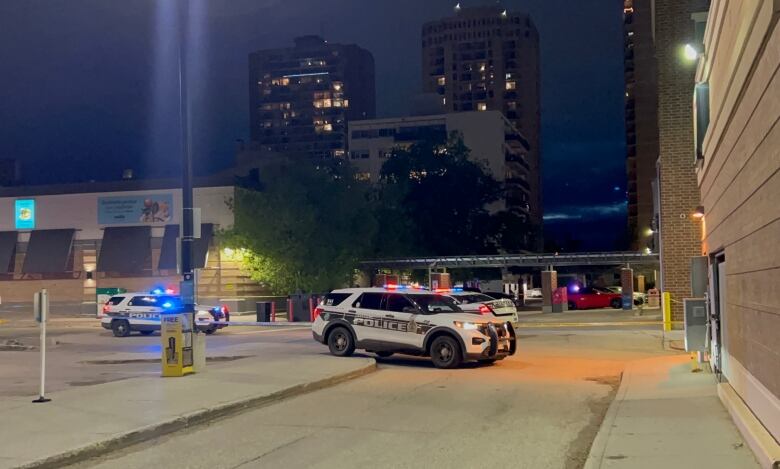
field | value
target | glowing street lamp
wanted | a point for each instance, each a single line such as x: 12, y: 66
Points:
x: 691, y: 52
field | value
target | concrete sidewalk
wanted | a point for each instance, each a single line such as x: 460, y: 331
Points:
x: 85, y: 422
x: 666, y: 416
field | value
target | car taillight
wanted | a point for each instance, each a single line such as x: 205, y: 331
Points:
x: 485, y: 309
x: 317, y: 312
x: 106, y: 307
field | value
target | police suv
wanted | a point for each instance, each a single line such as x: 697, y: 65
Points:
x: 411, y: 321
x: 128, y: 312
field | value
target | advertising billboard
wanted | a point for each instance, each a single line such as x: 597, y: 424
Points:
x: 24, y: 214
x: 135, y: 209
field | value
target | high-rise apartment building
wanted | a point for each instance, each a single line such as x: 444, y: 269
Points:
x: 641, y: 116
x: 483, y: 59
x: 302, y: 97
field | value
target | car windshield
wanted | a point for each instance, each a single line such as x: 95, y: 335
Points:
x: 436, y: 303
x: 472, y: 298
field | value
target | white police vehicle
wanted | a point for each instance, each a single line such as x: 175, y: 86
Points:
x: 411, y: 321
x: 472, y: 302
x: 128, y: 312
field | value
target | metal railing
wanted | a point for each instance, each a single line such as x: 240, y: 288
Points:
x: 516, y: 260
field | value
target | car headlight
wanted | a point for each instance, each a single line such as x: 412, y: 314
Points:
x: 467, y: 326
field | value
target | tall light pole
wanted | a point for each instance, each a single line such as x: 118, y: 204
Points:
x: 187, y: 286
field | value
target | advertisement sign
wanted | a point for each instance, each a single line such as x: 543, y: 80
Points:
x: 24, y: 214
x: 134, y: 209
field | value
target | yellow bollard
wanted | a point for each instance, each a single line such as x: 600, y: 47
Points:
x: 667, y: 311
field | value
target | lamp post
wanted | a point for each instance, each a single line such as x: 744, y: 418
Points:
x: 187, y: 285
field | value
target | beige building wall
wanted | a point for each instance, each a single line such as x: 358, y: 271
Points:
x: 739, y: 179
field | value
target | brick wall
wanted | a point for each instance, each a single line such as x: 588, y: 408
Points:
x: 680, y: 232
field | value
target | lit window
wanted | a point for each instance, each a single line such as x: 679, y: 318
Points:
x: 363, y: 176
x: 482, y: 106
x: 327, y: 127
x: 482, y: 67
x: 511, y: 85
x: 337, y: 85
x: 508, y: 76
x: 441, y: 81
x: 337, y: 102
x: 444, y: 101
x: 284, y: 81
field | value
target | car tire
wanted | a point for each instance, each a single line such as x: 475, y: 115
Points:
x: 616, y: 304
x: 445, y: 352
x: 210, y: 331
x: 120, y: 328
x: 572, y: 306
x: 340, y: 342
x: 384, y: 354
x: 146, y: 332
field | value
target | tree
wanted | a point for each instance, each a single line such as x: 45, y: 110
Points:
x: 436, y: 199
x: 300, y: 226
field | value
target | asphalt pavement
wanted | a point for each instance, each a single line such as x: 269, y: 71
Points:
x: 539, y: 409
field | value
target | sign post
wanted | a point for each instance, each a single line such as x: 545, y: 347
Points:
x: 41, y: 311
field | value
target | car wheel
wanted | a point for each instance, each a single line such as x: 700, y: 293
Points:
x: 445, y: 352
x: 572, y: 306
x: 210, y: 331
x: 617, y: 304
x: 120, y: 328
x: 340, y: 342
x: 383, y: 354
x: 146, y: 332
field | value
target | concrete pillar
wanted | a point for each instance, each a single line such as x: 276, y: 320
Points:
x: 549, y: 283
x: 640, y: 283
x: 627, y: 284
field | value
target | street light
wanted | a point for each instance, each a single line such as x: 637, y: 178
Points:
x: 691, y: 52
x: 699, y: 212
x: 187, y: 286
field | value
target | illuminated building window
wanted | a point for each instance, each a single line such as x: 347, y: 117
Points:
x: 337, y: 85
x: 338, y: 102
x: 284, y: 81
x: 511, y: 85
x: 363, y: 176
x: 482, y: 106
x: 441, y: 81
x: 338, y: 153
x: 482, y: 67
x: 320, y: 103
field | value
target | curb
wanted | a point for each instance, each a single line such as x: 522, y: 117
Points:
x: 191, y: 420
x: 599, y: 447
x: 764, y: 446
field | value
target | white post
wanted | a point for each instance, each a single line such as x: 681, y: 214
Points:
x: 42, y: 315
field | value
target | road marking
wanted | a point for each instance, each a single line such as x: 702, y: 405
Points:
x: 588, y: 324
x: 269, y: 330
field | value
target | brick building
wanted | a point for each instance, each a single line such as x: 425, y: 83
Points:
x: 680, y: 231
x: 738, y: 168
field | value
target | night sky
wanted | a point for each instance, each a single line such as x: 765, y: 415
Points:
x: 87, y: 89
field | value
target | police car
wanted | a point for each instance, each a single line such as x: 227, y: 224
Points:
x: 470, y: 301
x: 128, y: 312
x: 410, y: 321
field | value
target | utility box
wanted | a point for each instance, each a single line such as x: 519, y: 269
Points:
x: 695, y: 324
x: 560, y: 300
x: 102, y: 295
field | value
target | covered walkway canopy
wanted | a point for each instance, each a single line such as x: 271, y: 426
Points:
x: 516, y: 260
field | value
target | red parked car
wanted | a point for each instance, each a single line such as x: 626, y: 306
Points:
x: 587, y: 298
